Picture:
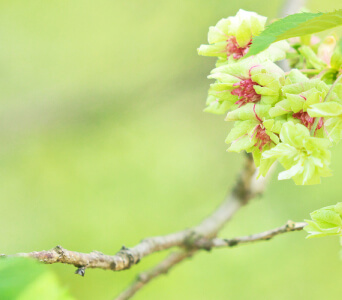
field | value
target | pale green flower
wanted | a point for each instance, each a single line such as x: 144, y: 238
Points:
x: 298, y: 96
x: 247, y: 81
x: 303, y: 102
x: 331, y: 112
x: 305, y: 158
x: 253, y: 131
x: 230, y: 38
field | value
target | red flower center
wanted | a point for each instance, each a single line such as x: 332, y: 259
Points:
x: 234, y: 49
x: 260, y: 133
x: 262, y: 137
x: 246, y: 92
x: 306, y: 120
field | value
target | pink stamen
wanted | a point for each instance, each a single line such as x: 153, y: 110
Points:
x: 246, y: 92
x: 234, y: 49
x: 262, y: 137
x: 260, y: 133
x: 306, y: 120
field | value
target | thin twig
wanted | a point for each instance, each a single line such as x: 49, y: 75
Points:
x: 246, y: 187
x: 177, y: 257
x: 262, y: 236
x: 145, y: 277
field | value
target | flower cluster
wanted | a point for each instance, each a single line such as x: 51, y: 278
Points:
x: 294, y: 117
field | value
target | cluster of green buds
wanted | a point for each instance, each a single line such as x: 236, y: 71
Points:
x: 290, y: 117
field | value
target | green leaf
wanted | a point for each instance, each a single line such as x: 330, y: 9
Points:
x: 46, y: 287
x: 16, y: 275
x: 293, y: 26
x: 26, y: 279
x: 249, y: 111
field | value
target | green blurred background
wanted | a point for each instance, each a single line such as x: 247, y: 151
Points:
x: 104, y: 142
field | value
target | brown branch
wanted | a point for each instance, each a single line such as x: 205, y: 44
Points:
x: 246, y: 187
x: 198, y: 237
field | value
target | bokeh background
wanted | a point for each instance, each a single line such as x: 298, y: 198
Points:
x: 104, y: 142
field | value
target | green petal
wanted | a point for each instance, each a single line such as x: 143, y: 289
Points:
x: 240, y: 129
x: 243, y: 34
x: 257, y: 24
x: 243, y: 143
x: 294, y: 135
x: 265, y: 165
x: 296, y: 102
x: 275, y: 52
x: 279, y: 151
x: 249, y: 111
x: 218, y: 49
x: 326, y: 109
x: 309, y: 171
x: 293, y: 171
x: 219, y: 32
x: 295, y: 76
x: 333, y: 128
x: 281, y: 108
x: 217, y: 107
x: 315, y: 231
x: 326, y: 218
